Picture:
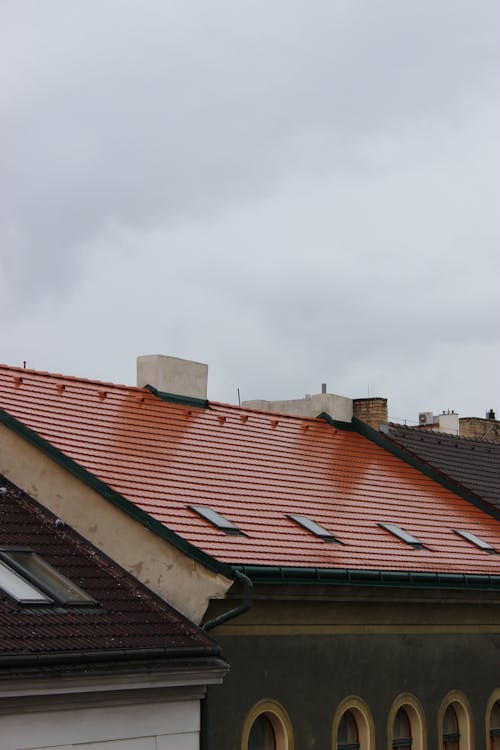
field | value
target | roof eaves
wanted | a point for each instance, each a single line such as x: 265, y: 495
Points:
x: 212, y: 653
x: 174, y: 398
x: 115, y: 497
x: 414, y: 460
x: 373, y: 578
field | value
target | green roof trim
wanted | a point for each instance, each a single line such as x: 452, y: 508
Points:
x: 378, y: 578
x: 413, y: 460
x: 115, y: 497
x: 348, y: 426
x: 175, y: 398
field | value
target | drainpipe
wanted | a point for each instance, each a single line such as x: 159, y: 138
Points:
x: 243, y: 607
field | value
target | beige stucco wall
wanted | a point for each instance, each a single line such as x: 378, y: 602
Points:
x: 178, y: 579
x: 338, y: 407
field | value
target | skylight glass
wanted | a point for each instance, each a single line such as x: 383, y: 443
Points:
x: 37, y: 572
x: 401, y: 534
x: 475, y: 540
x: 20, y: 589
x: 219, y: 521
x: 313, y: 527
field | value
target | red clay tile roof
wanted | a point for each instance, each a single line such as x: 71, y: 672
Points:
x: 253, y: 468
x: 473, y: 463
x: 127, y: 616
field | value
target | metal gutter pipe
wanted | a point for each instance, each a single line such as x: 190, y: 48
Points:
x: 244, y: 607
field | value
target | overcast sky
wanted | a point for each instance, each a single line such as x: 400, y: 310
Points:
x: 292, y: 192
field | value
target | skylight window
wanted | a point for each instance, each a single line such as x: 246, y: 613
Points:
x: 20, y: 589
x: 46, y: 584
x: 402, y: 534
x: 216, y: 519
x: 313, y: 527
x: 475, y: 540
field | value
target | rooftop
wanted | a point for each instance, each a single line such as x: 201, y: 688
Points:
x: 255, y: 469
x: 473, y: 463
x: 122, y: 616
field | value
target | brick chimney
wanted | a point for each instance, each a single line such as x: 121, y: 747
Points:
x: 180, y: 377
x: 475, y: 427
x: 372, y: 411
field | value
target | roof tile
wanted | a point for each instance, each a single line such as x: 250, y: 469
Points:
x: 164, y: 456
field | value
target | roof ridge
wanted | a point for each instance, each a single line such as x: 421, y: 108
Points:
x: 266, y: 412
x: 73, y: 378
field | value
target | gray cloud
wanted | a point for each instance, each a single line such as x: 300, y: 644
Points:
x: 291, y: 196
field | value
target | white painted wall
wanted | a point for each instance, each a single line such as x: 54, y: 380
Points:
x: 157, y: 726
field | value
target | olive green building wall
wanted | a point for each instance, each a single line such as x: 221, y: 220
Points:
x: 390, y: 650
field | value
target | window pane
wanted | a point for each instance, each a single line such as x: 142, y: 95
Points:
x: 495, y: 727
x: 401, y: 731
x: 49, y: 577
x: 495, y: 716
x: 451, y: 736
x: 261, y: 735
x: 18, y: 588
x: 450, y: 722
x: 347, y: 735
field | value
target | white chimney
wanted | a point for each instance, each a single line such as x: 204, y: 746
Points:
x: 181, y: 377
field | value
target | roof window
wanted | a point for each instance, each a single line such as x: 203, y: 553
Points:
x: 216, y: 519
x: 27, y: 577
x: 19, y: 589
x: 402, y: 534
x: 313, y: 527
x: 475, y: 540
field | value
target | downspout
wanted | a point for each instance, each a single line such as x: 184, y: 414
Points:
x: 243, y: 607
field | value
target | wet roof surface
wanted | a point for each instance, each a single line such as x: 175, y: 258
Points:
x: 473, y: 463
x: 253, y: 468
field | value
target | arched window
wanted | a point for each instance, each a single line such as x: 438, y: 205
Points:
x: 347, y: 734
x: 262, y: 735
x: 267, y: 727
x: 451, y: 734
x: 401, y: 730
x: 352, y: 725
x: 495, y: 726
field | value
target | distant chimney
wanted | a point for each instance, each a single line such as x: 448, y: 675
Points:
x: 371, y: 411
x: 181, y: 377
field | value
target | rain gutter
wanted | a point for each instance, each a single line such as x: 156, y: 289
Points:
x: 107, y: 655
x: 263, y: 574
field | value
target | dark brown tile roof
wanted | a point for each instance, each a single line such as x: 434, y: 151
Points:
x: 128, y: 616
x: 473, y: 463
